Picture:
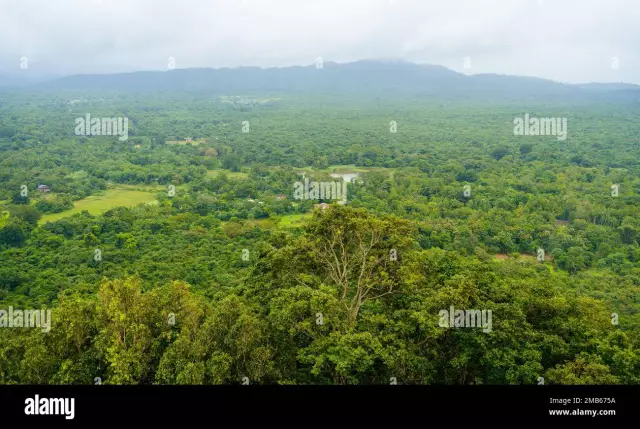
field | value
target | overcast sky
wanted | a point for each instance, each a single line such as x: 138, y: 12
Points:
x: 565, y: 40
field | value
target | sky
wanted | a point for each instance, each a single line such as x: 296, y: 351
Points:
x: 565, y: 40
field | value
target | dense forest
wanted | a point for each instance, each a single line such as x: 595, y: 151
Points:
x: 181, y: 256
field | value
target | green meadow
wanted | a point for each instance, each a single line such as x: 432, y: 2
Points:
x: 98, y: 204
x: 294, y: 220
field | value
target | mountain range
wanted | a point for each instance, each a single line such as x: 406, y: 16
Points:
x: 374, y: 77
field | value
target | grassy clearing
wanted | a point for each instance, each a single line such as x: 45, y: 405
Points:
x: 523, y: 257
x: 233, y: 229
x: 229, y: 173
x: 98, y: 204
x: 294, y: 220
x: 183, y: 142
x: 289, y: 221
x: 145, y: 188
x: 262, y: 223
x: 4, y: 215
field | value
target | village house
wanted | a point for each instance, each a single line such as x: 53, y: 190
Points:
x: 43, y: 188
x: 322, y: 206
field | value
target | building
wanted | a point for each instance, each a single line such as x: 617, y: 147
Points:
x: 43, y: 188
x: 322, y: 206
x: 187, y: 140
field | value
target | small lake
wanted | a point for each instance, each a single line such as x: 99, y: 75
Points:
x: 347, y: 177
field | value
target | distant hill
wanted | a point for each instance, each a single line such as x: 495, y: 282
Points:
x: 374, y: 77
x: 24, y: 79
x: 609, y: 86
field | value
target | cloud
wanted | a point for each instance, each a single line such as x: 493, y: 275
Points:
x: 566, y: 40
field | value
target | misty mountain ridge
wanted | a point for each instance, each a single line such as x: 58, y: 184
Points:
x: 380, y: 77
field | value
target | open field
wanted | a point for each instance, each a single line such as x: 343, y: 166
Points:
x: 230, y: 174
x: 183, y: 142
x: 524, y: 257
x: 145, y: 188
x: 98, y: 204
x: 288, y: 221
x: 294, y: 220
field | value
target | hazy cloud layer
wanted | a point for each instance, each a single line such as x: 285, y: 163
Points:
x: 566, y: 40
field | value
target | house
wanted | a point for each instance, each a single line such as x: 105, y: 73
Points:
x: 137, y: 146
x: 323, y: 206
x: 187, y: 140
x: 281, y: 197
x: 43, y: 188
